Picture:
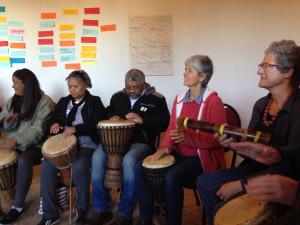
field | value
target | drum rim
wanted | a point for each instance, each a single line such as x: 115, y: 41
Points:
x: 12, y: 162
x: 52, y: 155
x: 165, y: 166
x: 130, y: 125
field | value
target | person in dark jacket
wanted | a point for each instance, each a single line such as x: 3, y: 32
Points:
x: 77, y: 114
x: 138, y: 102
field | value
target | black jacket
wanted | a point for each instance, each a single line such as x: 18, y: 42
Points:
x: 92, y: 112
x: 151, y: 106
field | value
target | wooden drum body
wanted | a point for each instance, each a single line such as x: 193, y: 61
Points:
x: 115, y: 137
x: 60, y: 151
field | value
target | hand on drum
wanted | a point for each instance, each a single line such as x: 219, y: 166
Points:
x: 272, y: 188
x: 115, y: 118
x: 259, y: 152
x: 177, y: 135
x: 134, y: 117
x: 224, y: 140
x: 6, y: 143
x: 160, y: 153
x: 229, y: 189
x: 69, y: 131
x: 54, y: 129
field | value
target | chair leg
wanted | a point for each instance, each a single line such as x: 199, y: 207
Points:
x: 233, y: 160
x: 196, y: 196
x: 203, y: 217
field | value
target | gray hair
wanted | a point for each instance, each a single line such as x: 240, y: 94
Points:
x: 82, y: 76
x: 136, y: 76
x: 203, y: 65
x: 287, y: 57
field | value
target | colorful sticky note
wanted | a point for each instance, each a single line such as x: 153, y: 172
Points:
x: 70, y: 11
x: 46, y: 41
x: 46, y: 57
x: 46, y: 33
x: 91, y: 62
x: 88, y: 48
x: 15, y: 38
x: 17, y: 45
x: 48, y: 15
x: 47, y: 49
x: 4, y: 51
x: 90, y: 23
x: 3, y: 26
x: 3, y: 34
x: 67, y: 43
x: 4, y: 58
x: 47, y: 24
x: 49, y: 64
x: 18, y: 53
x: 67, y: 51
x: 89, y: 31
x: 95, y: 10
x: 17, y: 24
x: 74, y: 66
x: 108, y: 27
x: 65, y: 58
x: 3, y: 19
x: 3, y: 43
x: 66, y: 27
x: 16, y: 31
x: 88, y: 40
x: 17, y: 60
x: 2, y: 9
x: 67, y: 36
x: 88, y: 55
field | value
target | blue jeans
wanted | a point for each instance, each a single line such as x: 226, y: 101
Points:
x: 100, y: 194
x: 186, y: 170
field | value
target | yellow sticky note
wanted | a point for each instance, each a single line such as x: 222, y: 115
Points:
x: 87, y: 55
x: 70, y: 11
x: 4, y: 58
x: 89, y: 62
x: 66, y: 27
x: 88, y: 48
x: 3, y: 19
x: 67, y: 36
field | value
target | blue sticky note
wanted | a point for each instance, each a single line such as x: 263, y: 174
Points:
x: 17, y: 38
x: 2, y: 8
x: 17, y: 53
x: 3, y: 33
x: 17, y: 60
x: 64, y: 58
x: 89, y: 31
x: 3, y: 26
x: 46, y: 57
x: 5, y: 64
x: 17, y: 24
x: 47, y: 24
x: 4, y: 51
x: 47, y: 49
x: 67, y: 51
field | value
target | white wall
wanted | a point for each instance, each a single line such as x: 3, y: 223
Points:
x: 234, y: 33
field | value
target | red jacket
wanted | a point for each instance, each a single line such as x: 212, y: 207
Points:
x: 203, y: 144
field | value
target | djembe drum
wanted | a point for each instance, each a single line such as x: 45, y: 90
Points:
x: 115, y: 137
x: 8, y: 168
x: 244, y: 210
x: 156, y: 171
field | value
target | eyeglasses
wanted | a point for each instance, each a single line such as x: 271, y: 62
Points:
x: 266, y: 66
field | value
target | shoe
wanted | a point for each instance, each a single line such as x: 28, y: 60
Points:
x: 100, y: 218
x: 45, y: 221
x: 121, y: 220
x: 80, y: 220
x: 11, y: 217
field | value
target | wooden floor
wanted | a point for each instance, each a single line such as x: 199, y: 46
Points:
x: 191, y: 212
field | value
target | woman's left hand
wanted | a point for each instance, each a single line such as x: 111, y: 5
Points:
x: 69, y: 131
x: 177, y: 135
x: 229, y: 189
x: 7, y: 143
x: 259, y: 152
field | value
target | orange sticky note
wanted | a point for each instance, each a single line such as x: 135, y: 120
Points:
x: 48, y: 15
x: 70, y: 11
x: 67, y: 36
x: 66, y: 27
x: 67, y: 43
x: 49, y: 64
x: 108, y: 27
x: 72, y: 66
x: 17, y: 45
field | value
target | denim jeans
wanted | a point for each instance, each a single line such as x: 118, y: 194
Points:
x: 186, y: 170
x: 100, y: 194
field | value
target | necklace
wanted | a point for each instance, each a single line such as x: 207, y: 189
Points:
x: 270, y: 121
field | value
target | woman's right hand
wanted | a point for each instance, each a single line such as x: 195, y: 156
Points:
x: 160, y: 153
x: 115, y: 118
x: 224, y: 140
x: 54, y: 129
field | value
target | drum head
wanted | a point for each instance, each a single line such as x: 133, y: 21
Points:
x: 7, y: 157
x: 56, y: 145
x: 241, y: 210
x: 117, y: 123
x: 165, y: 161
